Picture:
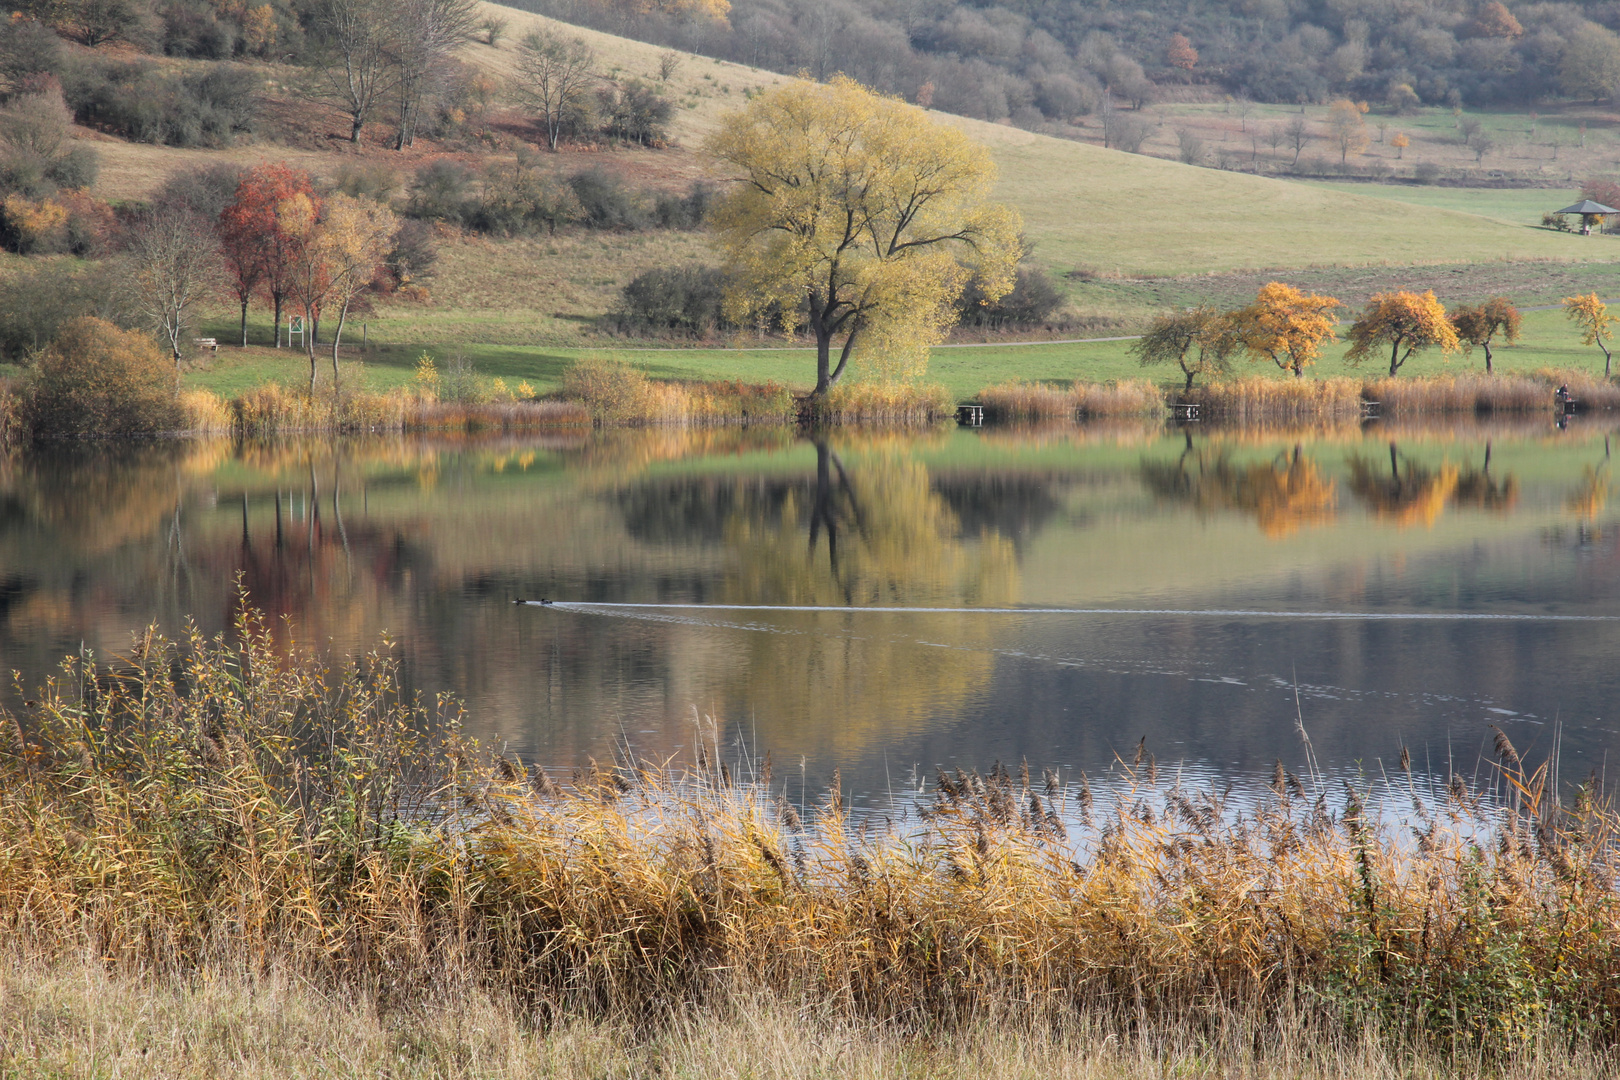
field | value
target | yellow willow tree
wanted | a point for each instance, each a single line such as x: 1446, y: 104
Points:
x: 1404, y: 321
x: 866, y: 211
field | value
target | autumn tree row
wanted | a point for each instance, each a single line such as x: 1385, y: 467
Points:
x: 1288, y: 327
x: 277, y: 239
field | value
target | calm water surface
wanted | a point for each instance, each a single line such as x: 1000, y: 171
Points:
x: 430, y: 540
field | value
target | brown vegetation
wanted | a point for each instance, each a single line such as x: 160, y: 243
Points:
x: 1042, y: 401
x: 202, y: 813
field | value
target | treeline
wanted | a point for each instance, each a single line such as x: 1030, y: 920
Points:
x: 1039, y: 63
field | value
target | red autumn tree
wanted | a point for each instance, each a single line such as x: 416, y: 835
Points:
x: 260, y: 253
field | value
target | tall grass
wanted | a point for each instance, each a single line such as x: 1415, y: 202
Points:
x: 271, y: 410
x: 1257, y: 400
x: 881, y: 403
x: 1019, y: 400
x: 613, y: 392
x: 11, y: 414
x: 211, y: 809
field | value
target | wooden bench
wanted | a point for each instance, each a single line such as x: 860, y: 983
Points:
x: 207, y: 343
x: 1188, y: 411
x: 970, y: 415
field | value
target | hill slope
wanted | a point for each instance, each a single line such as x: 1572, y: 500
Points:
x: 1084, y: 205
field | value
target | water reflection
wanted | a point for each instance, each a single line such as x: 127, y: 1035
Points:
x: 429, y: 539
x: 1283, y: 495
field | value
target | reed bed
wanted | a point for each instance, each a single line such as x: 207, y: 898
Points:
x: 206, y: 412
x: 1274, y: 401
x: 613, y: 392
x: 219, y: 809
x: 1023, y: 401
x: 11, y: 414
x: 273, y: 410
x: 880, y: 403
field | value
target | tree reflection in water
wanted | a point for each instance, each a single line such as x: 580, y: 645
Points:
x: 1477, y: 487
x: 1411, y: 493
x: 1283, y: 495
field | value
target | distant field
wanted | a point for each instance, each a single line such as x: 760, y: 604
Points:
x: 1516, y: 206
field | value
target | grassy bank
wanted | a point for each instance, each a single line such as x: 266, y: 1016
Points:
x: 207, y: 827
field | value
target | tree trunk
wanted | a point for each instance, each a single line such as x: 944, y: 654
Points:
x: 244, y: 322
x: 1606, y: 357
x: 276, y: 327
x: 1393, y: 365
x: 1487, y: 348
x: 823, y: 361
x: 354, y: 131
x: 337, y: 336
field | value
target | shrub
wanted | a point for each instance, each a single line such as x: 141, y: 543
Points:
x: 35, y: 156
x: 367, y: 180
x: 194, y: 29
x: 29, y: 50
x: 97, y: 379
x: 606, y: 203
x: 439, y: 191
x: 411, y: 259
x: 681, y: 298
x: 1032, y: 301
x: 634, y: 111
x: 520, y: 199
x: 141, y: 103
x: 205, y: 191
x: 611, y: 390
x: 687, y: 211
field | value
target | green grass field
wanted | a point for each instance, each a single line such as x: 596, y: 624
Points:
x: 1547, y: 341
x: 1514, y: 206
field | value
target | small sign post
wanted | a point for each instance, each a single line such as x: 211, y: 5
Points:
x: 295, y: 328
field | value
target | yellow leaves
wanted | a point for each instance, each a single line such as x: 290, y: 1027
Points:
x: 1348, y: 128
x: 31, y: 224
x: 867, y: 207
x: 1591, y: 316
x: 1287, y: 326
x: 1404, y: 321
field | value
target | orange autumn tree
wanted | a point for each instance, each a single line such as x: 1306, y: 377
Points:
x: 1181, y: 53
x: 1478, y: 325
x: 1404, y: 321
x: 258, y: 252
x: 1591, y: 316
x: 1287, y: 326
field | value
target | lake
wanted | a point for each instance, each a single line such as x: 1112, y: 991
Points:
x: 1449, y: 578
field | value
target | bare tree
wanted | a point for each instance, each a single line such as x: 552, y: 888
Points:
x: 553, y: 74
x: 426, y: 33
x: 176, y: 265
x: 357, y: 69
x: 1297, y: 133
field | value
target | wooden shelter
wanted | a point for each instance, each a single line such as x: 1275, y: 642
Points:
x: 1592, y: 213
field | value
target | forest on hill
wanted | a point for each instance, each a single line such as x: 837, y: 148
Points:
x: 1041, y: 62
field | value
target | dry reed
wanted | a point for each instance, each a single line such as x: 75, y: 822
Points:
x: 206, y: 412
x: 11, y: 414
x: 1041, y: 401
x: 273, y: 410
x: 1257, y: 400
x: 881, y: 403
x: 217, y: 808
